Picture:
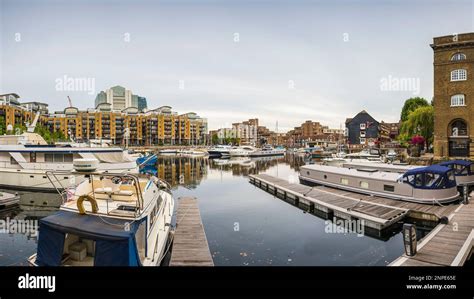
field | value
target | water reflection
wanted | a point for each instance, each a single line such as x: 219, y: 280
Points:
x: 244, y: 225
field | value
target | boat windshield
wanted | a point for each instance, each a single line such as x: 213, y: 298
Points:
x: 430, y: 178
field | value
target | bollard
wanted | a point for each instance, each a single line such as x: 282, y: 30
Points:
x: 466, y: 194
x: 409, y: 239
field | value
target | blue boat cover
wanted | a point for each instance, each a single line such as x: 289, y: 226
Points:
x: 432, y: 168
x: 114, y: 246
x: 456, y: 162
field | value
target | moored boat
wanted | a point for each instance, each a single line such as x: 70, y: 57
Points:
x: 110, y: 219
x: 267, y: 151
x: 432, y: 184
x: 242, y: 151
x: 219, y: 150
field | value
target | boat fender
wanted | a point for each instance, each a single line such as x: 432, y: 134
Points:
x: 80, y: 204
x: 444, y: 220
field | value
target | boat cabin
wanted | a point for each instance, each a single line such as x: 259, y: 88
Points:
x: 71, y: 239
x: 430, y: 177
x: 463, y: 170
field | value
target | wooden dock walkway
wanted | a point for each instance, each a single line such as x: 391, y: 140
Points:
x: 448, y: 244
x: 377, y: 212
x: 190, y: 247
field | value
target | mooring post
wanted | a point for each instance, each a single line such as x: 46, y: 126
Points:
x: 465, y: 194
x: 409, y: 239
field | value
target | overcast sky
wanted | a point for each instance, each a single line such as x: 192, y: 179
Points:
x: 286, y: 61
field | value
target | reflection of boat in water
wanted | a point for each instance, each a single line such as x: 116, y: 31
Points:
x: 242, y: 161
x: 191, y: 153
x: 111, y: 219
x: 147, y: 160
x: 432, y: 184
x: 8, y: 200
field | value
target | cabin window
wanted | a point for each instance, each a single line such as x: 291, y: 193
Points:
x: 13, y: 161
x: 58, y: 158
x: 140, y: 238
x: 364, y: 184
x: 431, y: 179
x: 451, y: 177
x: 389, y: 188
x: 344, y: 181
x: 472, y: 168
x: 419, y: 180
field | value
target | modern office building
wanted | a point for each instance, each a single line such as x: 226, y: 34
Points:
x: 120, y: 98
x: 454, y: 95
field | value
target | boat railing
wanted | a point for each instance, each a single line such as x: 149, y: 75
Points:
x: 63, y: 190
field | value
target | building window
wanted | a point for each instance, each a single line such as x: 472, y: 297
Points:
x: 459, y: 75
x: 457, y: 100
x: 362, y: 140
x: 458, y: 57
x: 362, y: 126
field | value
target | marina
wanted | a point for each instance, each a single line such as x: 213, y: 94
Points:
x: 236, y: 236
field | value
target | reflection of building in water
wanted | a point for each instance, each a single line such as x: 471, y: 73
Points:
x: 184, y: 171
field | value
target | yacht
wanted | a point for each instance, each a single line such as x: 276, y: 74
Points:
x: 434, y: 184
x: 219, y: 150
x: 267, y: 151
x: 109, y: 219
x: 25, y: 159
x: 242, y: 151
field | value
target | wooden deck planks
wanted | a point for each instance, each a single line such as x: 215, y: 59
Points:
x: 443, y: 245
x: 357, y: 205
x: 190, y: 247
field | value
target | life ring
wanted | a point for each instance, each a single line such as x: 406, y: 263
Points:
x: 80, y: 204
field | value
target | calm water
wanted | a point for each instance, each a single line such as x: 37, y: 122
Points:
x: 244, y: 225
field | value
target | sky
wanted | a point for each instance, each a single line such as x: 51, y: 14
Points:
x: 228, y: 61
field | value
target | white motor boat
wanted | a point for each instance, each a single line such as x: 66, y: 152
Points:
x: 434, y: 184
x: 219, y: 150
x: 242, y: 151
x: 110, y: 219
x: 268, y: 151
x: 25, y: 159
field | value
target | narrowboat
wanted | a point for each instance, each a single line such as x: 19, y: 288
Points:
x: 434, y: 184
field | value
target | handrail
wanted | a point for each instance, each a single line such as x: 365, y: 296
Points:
x: 134, y: 178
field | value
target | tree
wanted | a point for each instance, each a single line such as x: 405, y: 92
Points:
x: 420, y: 122
x: 215, y: 139
x: 410, y: 105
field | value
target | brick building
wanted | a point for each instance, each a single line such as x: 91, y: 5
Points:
x: 454, y: 95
